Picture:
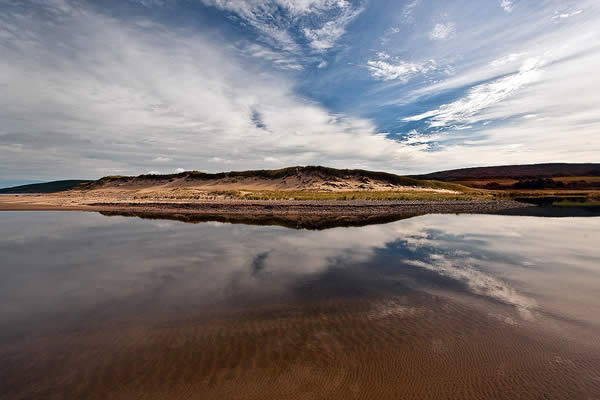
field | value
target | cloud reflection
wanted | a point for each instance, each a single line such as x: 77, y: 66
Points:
x: 67, y: 261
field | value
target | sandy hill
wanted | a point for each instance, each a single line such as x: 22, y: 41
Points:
x: 311, y: 178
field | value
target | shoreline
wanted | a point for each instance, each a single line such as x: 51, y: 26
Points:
x: 260, y: 207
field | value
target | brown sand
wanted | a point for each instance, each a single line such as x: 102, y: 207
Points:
x: 417, y: 346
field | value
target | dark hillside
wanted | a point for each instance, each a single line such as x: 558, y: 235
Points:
x: 519, y: 172
x: 48, y: 187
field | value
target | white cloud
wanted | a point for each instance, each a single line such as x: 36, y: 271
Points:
x: 277, y: 59
x: 482, y: 96
x: 508, y: 59
x: 271, y: 160
x: 161, y: 159
x: 327, y: 35
x: 507, y: 5
x: 323, y: 22
x: 561, y: 89
x: 387, y: 69
x: 101, y: 95
x: 179, y: 170
x: 408, y: 11
x: 443, y: 31
x: 416, y: 138
x: 567, y: 14
x: 322, y: 64
x: 113, y: 93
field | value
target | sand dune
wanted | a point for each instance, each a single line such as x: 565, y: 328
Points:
x: 287, y: 179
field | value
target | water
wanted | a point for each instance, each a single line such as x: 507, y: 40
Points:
x: 436, y: 306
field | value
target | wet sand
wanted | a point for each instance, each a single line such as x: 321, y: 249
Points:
x: 416, y: 346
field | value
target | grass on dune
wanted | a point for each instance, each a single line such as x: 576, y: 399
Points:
x: 317, y: 195
x: 354, y: 195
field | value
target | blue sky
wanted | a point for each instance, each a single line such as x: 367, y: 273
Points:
x: 126, y: 87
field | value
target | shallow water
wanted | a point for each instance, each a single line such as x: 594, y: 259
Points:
x: 436, y: 306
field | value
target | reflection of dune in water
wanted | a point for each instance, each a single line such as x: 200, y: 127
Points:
x: 292, y: 221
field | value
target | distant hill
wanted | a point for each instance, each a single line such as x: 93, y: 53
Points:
x: 47, y: 187
x: 530, y: 171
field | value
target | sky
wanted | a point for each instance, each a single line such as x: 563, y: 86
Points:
x: 125, y: 87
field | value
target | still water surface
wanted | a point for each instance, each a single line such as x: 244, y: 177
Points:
x: 436, y: 306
